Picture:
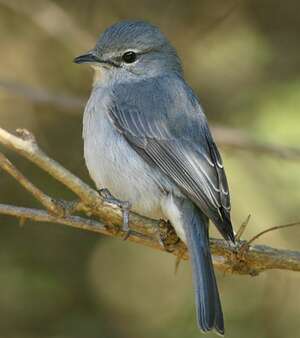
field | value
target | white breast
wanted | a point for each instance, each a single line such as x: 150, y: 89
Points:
x: 113, y: 164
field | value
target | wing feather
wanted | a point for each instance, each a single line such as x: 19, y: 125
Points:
x: 173, y: 134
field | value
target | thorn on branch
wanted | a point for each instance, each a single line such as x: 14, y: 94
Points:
x: 242, y: 228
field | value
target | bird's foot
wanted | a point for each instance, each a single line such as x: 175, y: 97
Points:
x: 167, y: 236
x: 124, y: 205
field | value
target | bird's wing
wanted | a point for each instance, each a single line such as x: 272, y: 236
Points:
x: 163, y: 121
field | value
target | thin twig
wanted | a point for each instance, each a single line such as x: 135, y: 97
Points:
x: 277, y: 227
x: 242, y: 228
x: 44, y: 216
x: 78, y: 222
x: 39, y: 195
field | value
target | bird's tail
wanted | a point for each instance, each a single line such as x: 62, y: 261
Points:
x: 208, y: 306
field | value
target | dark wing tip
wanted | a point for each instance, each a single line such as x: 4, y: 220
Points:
x: 224, y: 225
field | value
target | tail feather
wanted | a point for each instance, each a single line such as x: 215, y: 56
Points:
x: 208, y: 305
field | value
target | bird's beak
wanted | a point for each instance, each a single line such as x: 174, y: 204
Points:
x: 89, y: 57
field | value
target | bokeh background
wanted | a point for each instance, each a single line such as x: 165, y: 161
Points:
x: 242, y: 59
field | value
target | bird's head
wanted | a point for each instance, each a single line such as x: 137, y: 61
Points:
x: 132, y: 49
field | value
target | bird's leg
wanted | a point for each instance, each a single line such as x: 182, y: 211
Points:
x: 124, y: 205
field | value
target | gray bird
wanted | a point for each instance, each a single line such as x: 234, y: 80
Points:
x: 146, y: 139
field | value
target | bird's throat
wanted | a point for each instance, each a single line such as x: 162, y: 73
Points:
x: 98, y: 76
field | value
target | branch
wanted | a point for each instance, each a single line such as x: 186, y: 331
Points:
x: 252, y: 261
x: 243, y: 259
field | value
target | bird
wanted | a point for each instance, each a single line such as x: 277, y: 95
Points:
x: 147, y: 142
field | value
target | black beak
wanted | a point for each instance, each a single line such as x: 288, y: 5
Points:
x: 86, y: 58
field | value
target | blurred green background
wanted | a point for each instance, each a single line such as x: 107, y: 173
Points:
x: 242, y: 59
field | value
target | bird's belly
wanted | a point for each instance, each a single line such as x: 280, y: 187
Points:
x: 114, y: 165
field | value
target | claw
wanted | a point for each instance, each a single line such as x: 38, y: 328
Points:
x: 105, y: 193
x: 124, y: 205
x: 159, y: 236
x: 125, y: 226
x: 127, y: 234
x: 159, y: 239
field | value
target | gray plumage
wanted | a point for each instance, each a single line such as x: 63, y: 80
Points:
x: 146, y: 139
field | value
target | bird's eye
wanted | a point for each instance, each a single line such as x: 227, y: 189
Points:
x: 129, y: 57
